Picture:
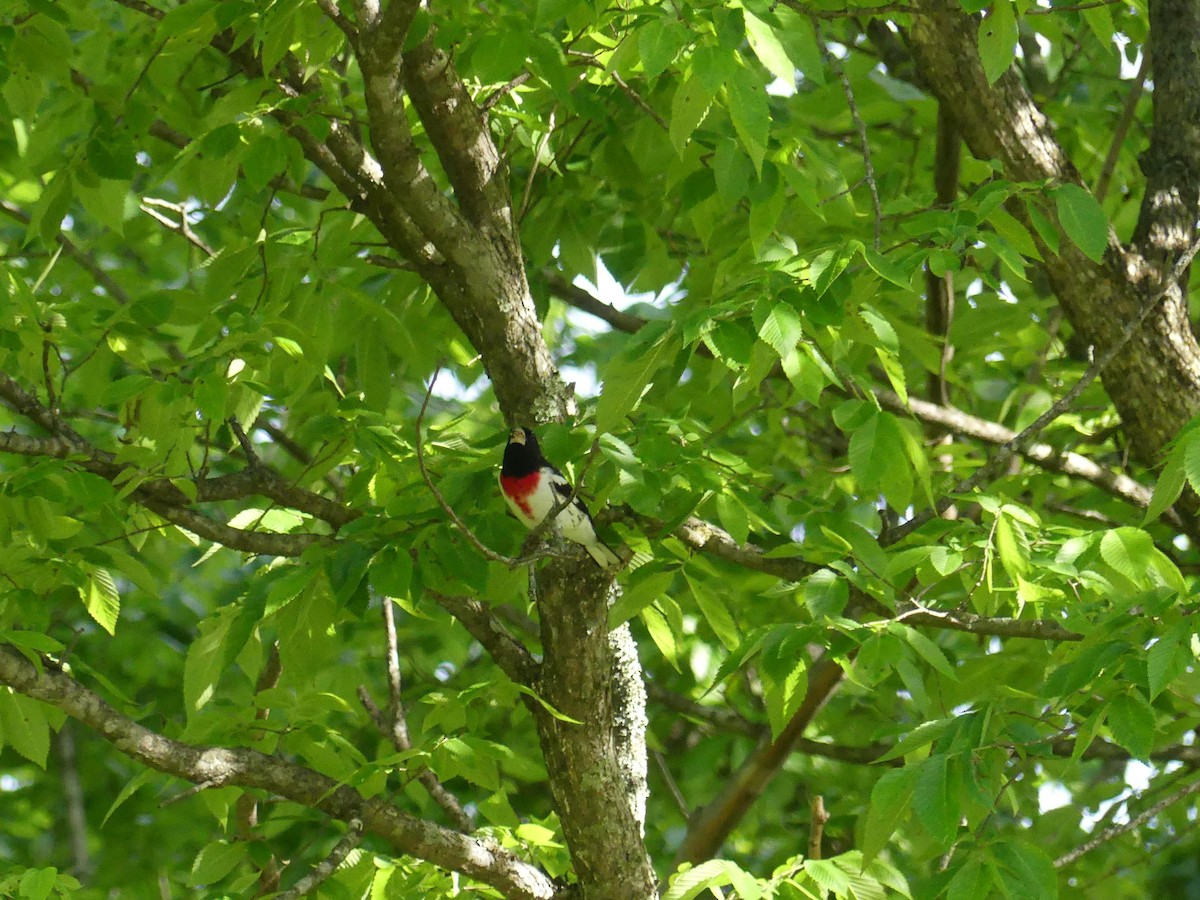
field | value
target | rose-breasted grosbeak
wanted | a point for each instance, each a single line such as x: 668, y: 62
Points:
x: 532, y: 487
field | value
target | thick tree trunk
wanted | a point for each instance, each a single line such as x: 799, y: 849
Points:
x: 598, y: 784
x: 1155, y: 381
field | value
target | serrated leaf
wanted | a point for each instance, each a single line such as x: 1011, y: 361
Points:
x: 750, y: 112
x: 128, y: 791
x: 970, y: 882
x: 1083, y: 219
x: 891, y: 799
x: 931, y: 653
x: 1169, y: 485
x: 886, y: 269
x: 924, y: 733
x: 659, y: 43
x: 935, y: 800
x: 217, y: 860
x: 1027, y: 872
x: 689, y: 106
x: 102, y: 600
x: 205, y: 660
x: 997, y: 40
x: 626, y: 379
x: 1128, y: 550
x: 1165, y: 660
x: 827, y: 874
x: 713, y: 873
x: 878, y: 459
x: 23, y: 727
x: 640, y: 594
x: 715, y: 612
x: 1131, y: 721
x: 782, y: 329
x: 827, y: 266
x: 768, y: 49
x: 662, y: 635
x: 826, y: 594
x: 749, y: 646
x: 1012, y: 546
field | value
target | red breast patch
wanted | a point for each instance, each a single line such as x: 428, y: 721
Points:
x: 518, y: 489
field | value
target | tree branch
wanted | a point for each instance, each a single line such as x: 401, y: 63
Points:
x: 1074, y: 464
x: 577, y: 297
x: 397, y: 727
x: 510, y: 654
x: 1021, y: 441
x: 326, y: 867
x: 1155, y: 381
x: 482, y: 859
x: 1117, y: 830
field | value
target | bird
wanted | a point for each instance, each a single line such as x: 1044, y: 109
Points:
x: 532, y: 487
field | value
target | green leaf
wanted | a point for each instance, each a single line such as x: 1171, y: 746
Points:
x: 997, y: 40
x: 1012, y: 546
x: 36, y: 884
x: 782, y: 328
x: 970, y: 882
x: 217, y: 860
x: 924, y: 733
x: 713, y: 873
x: 23, y: 726
x: 1166, y: 660
x: 626, y: 379
x: 931, y: 653
x: 715, y: 612
x: 1170, y: 482
x: 827, y: 874
x: 891, y: 799
x: 746, y: 99
x: 206, y: 660
x: 642, y: 591
x: 688, y: 108
x: 1128, y: 550
x: 1027, y: 872
x: 768, y: 49
x: 659, y: 43
x: 660, y: 632
x: 101, y: 599
x: 128, y: 791
x: 935, y: 799
x: 878, y: 460
x: 826, y: 594
x: 1131, y: 721
x: 1083, y: 219
x: 887, y: 270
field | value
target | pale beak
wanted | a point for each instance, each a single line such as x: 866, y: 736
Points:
x: 516, y: 436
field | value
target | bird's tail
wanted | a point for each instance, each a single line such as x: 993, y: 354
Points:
x: 603, y: 555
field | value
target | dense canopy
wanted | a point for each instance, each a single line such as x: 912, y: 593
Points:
x: 863, y: 329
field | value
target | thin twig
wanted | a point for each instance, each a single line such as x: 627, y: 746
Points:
x: 495, y: 96
x: 672, y: 785
x: 1117, y: 830
x: 816, y: 828
x: 859, y: 125
x: 397, y: 726
x: 1118, y: 138
x: 326, y: 867
x: 462, y: 526
x: 329, y: 7
x: 1018, y: 444
x: 183, y: 227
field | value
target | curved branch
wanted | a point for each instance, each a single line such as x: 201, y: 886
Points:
x: 478, y: 858
x: 1116, y: 483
